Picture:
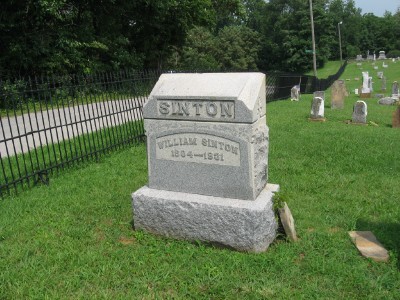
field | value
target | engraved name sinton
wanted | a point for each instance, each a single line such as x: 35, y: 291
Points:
x: 224, y: 110
x: 198, y: 148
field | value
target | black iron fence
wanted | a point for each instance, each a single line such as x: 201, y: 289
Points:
x: 51, y: 123
x: 279, y: 84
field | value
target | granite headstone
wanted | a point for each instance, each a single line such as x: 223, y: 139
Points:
x: 338, y: 93
x: 207, y: 143
x: 360, y: 113
x: 317, y: 109
x: 295, y: 93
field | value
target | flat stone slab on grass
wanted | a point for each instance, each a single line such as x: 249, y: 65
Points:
x: 288, y: 222
x: 369, y: 246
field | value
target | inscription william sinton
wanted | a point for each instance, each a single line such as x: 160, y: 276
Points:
x: 199, y: 148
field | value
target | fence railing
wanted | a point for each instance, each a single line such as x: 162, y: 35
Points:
x: 51, y: 123
x: 279, y: 84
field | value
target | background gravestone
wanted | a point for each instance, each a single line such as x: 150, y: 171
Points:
x: 317, y: 109
x: 207, y: 143
x: 320, y: 94
x: 295, y: 93
x: 338, y: 93
x: 383, y: 86
x: 360, y: 113
x: 395, y: 90
x: 365, y: 90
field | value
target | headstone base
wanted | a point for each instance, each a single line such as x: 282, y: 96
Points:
x: 244, y: 225
x: 317, y: 119
x: 365, y: 95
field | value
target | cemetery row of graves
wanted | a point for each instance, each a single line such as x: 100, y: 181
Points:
x: 369, y: 88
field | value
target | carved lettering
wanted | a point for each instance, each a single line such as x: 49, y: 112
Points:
x: 217, y: 110
x: 198, y: 148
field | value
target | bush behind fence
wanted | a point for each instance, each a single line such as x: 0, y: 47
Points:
x: 54, y: 122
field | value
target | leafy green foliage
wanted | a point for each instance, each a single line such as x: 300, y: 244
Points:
x: 63, y: 36
x: 233, y: 48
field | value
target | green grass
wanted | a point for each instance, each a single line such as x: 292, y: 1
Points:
x: 330, y: 67
x: 74, y: 238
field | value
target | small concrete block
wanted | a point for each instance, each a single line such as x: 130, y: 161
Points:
x: 288, y: 222
x: 369, y: 246
x: 239, y: 224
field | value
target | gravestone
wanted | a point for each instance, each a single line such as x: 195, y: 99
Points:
x: 382, y: 55
x: 396, y: 118
x: 320, y: 94
x: 395, y: 90
x: 376, y: 68
x: 295, y: 93
x: 360, y: 113
x: 384, y: 65
x: 383, y: 84
x: 338, y: 93
x: 317, y: 109
x: 359, y: 57
x: 207, y: 143
x: 386, y: 101
x: 380, y: 75
x: 365, y: 90
x: 370, y: 84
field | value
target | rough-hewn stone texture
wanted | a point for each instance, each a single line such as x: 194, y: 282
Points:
x: 369, y: 246
x: 240, y: 224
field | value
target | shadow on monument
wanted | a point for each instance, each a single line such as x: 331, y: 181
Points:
x: 386, y: 233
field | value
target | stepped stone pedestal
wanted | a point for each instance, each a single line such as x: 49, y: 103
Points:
x: 207, y: 143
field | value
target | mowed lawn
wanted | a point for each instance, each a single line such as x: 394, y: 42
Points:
x: 74, y: 238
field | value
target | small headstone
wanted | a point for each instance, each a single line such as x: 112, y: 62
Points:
x: 317, y: 109
x: 338, y: 93
x: 376, y: 68
x: 288, y: 222
x: 384, y: 65
x: 395, y: 90
x: 356, y: 91
x: 295, y: 93
x: 386, y: 101
x: 396, y: 118
x: 359, y: 64
x: 365, y: 91
x: 369, y: 246
x: 370, y: 84
x: 383, y: 85
x: 382, y: 55
x: 357, y: 79
x: 360, y: 112
x: 359, y: 57
x: 370, y: 57
x: 380, y: 75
